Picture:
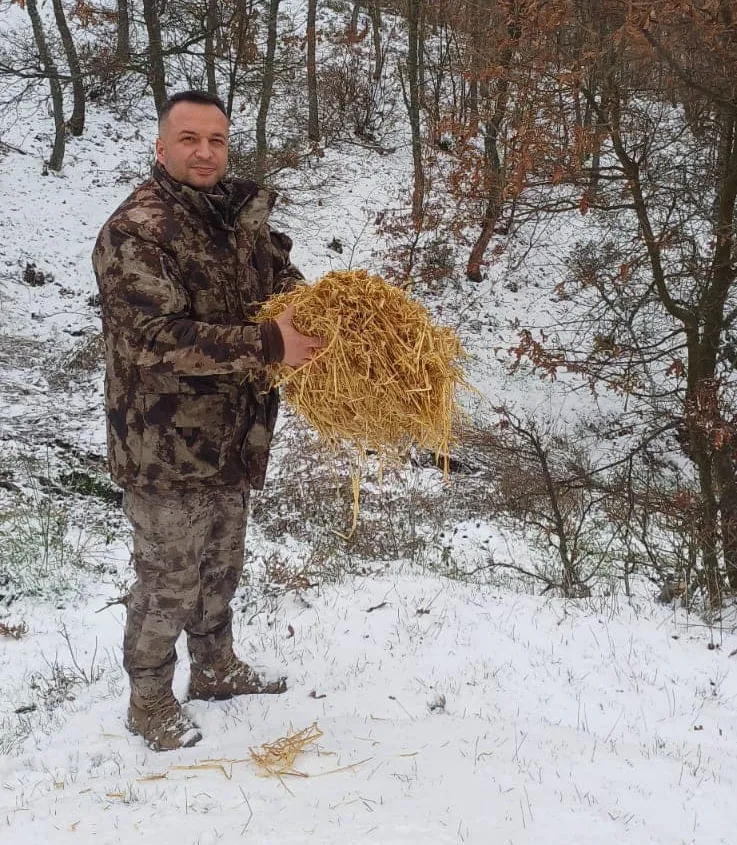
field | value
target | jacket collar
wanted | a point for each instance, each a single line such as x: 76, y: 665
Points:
x: 220, y: 206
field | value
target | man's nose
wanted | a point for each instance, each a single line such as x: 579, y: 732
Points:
x: 204, y: 149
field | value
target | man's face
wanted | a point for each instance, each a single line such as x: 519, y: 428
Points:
x: 193, y: 144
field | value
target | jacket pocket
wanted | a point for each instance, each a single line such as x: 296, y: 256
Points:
x: 183, y: 436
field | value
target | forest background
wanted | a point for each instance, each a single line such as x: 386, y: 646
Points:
x: 519, y: 116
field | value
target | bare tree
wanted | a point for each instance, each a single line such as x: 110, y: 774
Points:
x: 413, y: 107
x: 76, y: 121
x: 660, y: 288
x: 239, y: 37
x: 57, y: 99
x: 374, y: 10
x: 123, y: 37
x: 156, y: 70
x: 211, y: 26
x: 313, y: 123
x: 267, y: 89
x: 496, y: 98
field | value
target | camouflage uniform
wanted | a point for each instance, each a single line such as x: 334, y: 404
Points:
x: 188, y: 553
x: 190, y: 417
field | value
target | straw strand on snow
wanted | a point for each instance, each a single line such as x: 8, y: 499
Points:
x: 277, y: 758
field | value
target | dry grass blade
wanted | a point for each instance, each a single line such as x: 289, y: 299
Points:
x: 216, y: 765
x: 209, y: 765
x: 388, y: 376
x: 277, y: 758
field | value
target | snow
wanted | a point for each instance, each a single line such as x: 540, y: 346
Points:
x: 453, y: 709
x: 450, y: 712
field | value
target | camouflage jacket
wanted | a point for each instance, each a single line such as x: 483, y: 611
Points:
x: 181, y: 274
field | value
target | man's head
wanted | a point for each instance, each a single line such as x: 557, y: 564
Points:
x: 193, y: 139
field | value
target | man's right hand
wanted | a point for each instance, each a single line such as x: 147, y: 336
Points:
x: 298, y: 348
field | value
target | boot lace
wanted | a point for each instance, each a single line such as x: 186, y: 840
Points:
x: 166, y: 710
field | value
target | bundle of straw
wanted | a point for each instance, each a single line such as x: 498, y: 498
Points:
x: 278, y: 758
x: 387, y: 377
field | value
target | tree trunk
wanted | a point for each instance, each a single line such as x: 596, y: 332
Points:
x: 493, y: 206
x: 235, y: 33
x: 123, y: 43
x: 353, y: 25
x: 57, y: 99
x: 76, y: 122
x: 726, y: 473
x: 473, y: 106
x: 702, y: 326
x: 421, y: 69
x: 477, y: 58
x: 708, y: 529
x: 492, y: 159
x: 211, y: 25
x: 267, y: 87
x: 156, y: 72
x: 571, y: 579
x: 594, y: 84
x: 313, y: 123
x: 413, y: 71
x: 713, y: 306
x: 375, y: 14
x: 699, y: 371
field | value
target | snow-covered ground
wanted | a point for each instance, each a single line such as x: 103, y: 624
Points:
x: 452, y: 709
x: 450, y: 713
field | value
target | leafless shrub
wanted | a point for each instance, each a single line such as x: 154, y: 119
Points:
x: 87, y: 355
x: 282, y: 575
x: 289, y: 155
x: 606, y: 519
x: 312, y: 500
x: 351, y: 97
x: 56, y: 687
x: 83, y: 360
x: 13, y: 631
x: 18, y: 352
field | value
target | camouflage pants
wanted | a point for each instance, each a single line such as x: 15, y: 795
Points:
x: 188, y: 551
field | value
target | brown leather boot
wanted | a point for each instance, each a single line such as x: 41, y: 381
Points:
x: 221, y: 680
x: 161, y: 722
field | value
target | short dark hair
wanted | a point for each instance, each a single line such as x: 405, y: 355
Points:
x: 202, y: 97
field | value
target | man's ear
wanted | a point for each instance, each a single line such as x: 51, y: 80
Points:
x: 159, y: 151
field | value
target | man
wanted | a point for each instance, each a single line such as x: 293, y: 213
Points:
x: 182, y: 267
